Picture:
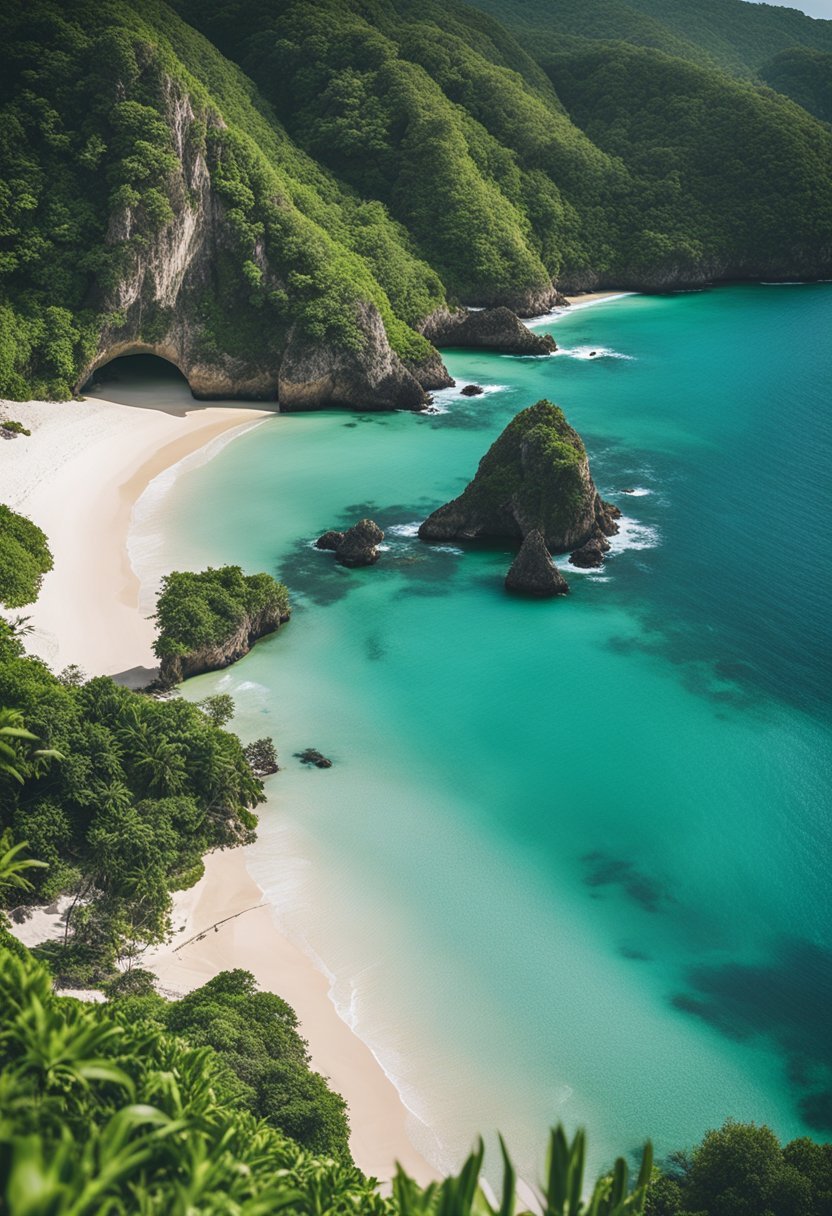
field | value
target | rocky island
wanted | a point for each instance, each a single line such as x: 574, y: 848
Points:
x: 535, y: 476
x: 210, y: 619
x: 358, y: 546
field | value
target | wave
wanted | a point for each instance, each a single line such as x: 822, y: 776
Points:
x: 632, y: 534
x: 636, y: 492
x: 443, y: 397
x: 411, y: 529
x: 591, y: 352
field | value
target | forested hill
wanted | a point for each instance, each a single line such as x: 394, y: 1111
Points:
x: 276, y: 194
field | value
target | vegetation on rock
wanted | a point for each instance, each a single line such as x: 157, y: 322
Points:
x: 535, y: 476
x: 207, y: 619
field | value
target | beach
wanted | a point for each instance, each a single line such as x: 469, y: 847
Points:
x: 79, y: 476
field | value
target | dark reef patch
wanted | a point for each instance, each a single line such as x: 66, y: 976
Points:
x: 604, y: 871
x: 785, y: 1000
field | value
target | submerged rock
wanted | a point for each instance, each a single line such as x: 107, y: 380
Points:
x: 312, y: 756
x: 533, y: 572
x: 490, y: 329
x: 358, y: 546
x: 472, y: 390
x: 535, y: 476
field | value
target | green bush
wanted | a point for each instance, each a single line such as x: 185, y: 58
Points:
x: 24, y: 558
x: 199, y: 610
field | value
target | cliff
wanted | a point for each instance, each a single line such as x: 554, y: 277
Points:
x: 173, y: 669
x: 535, y: 476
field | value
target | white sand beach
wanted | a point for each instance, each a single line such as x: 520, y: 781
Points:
x: 78, y: 476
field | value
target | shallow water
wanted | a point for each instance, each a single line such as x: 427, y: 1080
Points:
x: 572, y: 858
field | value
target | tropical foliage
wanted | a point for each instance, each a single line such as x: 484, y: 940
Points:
x: 397, y: 154
x: 121, y: 795
x: 199, y: 610
x: 24, y: 559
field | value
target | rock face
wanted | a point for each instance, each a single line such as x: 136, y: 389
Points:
x: 592, y: 553
x: 174, y: 669
x: 490, y: 329
x: 533, y: 572
x: 358, y: 546
x: 181, y: 296
x: 534, y: 477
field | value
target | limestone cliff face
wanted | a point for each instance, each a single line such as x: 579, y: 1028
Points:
x: 534, y: 477
x: 175, y: 669
x: 313, y: 376
x: 173, y: 301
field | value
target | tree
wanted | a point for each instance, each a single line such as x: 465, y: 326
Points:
x: 261, y: 755
x: 24, y: 559
x: 218, y: 708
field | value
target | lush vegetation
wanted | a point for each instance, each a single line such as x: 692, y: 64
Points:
x: 197, y: 611
x: 24, y: 559
x: 256, y: 1035
x: 144, y: 789
x: 396, y: 153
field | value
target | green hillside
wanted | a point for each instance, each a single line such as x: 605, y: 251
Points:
x: 252, y: 185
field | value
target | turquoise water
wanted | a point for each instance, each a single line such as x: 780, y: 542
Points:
x: 572, y: 858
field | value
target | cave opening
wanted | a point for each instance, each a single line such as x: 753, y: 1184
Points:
x: 140, y: 379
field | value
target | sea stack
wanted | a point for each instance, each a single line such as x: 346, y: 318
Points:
x: 534, y: 477
x: 533, y: 572
x: 358, y: 546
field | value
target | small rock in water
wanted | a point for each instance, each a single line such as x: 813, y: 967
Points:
x: 329, y: 540
x: 630, y: 490
x: 593, y: 353
x: 533, y: 572
x: 590, y: 554
x: 358, y: 546
x: 472, y: 390
x: 313, y: 756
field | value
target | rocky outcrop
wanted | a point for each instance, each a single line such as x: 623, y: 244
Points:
x: 358, y: 546
x: 176, y: 668
x: 183, y: 295
x: 591, y: 553
x: 535, y: 476
x: 488, y: 329
x: 315, y: 375
x: 472, y: 390
x: 533, y: 572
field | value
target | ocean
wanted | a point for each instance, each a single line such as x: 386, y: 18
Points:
x: 572, y: 858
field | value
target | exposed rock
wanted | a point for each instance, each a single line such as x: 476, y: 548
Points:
x: 358, y: 546
x: 430, y: 372
x: 533, y: 572
x: 173, y: 669
x: 472, y: 390
x: 490, y: 329
x: 535, y: 476
x: 158, y: 305
x: 329, y: 540
x: 313, y: 756
x: 591, y: 553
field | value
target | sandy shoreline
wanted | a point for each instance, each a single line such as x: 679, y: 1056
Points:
x: 590, y: 297
x: 78, y: 476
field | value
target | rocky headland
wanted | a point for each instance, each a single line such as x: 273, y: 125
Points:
x: 534, y: 477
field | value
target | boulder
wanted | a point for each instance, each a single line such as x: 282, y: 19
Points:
x: 312, y: 756
x: 359, y: 544
x: 591, y: 553
x: 472, y: 390
x: 535, y: 476
x: 329, y: 540
x: 533, y: 572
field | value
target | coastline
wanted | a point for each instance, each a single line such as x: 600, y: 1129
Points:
x: 79, y: 476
